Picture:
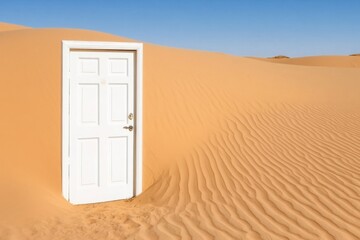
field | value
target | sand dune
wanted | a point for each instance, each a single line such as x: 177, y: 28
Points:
x: 4, y: 27
x: 234, y: 148
x: 320, y: 61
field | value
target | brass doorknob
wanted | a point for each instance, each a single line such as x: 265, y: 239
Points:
x: 131, y: 116
x: 130, y: 128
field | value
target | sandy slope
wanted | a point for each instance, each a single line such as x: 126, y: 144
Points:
x: 235, y: 148
x: 4, y: 27
x: 320, y: 61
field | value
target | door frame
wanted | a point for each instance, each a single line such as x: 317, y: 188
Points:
x: 67, y: 46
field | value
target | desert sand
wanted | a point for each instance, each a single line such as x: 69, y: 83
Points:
x: 234, y: 148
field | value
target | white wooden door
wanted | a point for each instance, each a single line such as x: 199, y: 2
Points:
x: 101, y: 149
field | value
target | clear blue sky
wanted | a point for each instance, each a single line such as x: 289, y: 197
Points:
x: 241, y: 27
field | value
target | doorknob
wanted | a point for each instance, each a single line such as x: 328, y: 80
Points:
x: 131, y: 116
x: 130, y: 128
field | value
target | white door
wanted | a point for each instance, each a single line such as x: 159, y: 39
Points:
x: 101, y: 124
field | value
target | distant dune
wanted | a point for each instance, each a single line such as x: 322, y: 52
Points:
x: 234, y: 148
x: 279, y: 57
x: 320, y: 61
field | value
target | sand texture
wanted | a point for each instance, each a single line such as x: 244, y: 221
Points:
x: 234, y: 148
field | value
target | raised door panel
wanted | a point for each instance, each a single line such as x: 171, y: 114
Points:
x: 88, y: 104
x: 88, y: 66
x: 88, y: 157
x: 118, y: 154
x: 118, y: 66
x: 118, y: 103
